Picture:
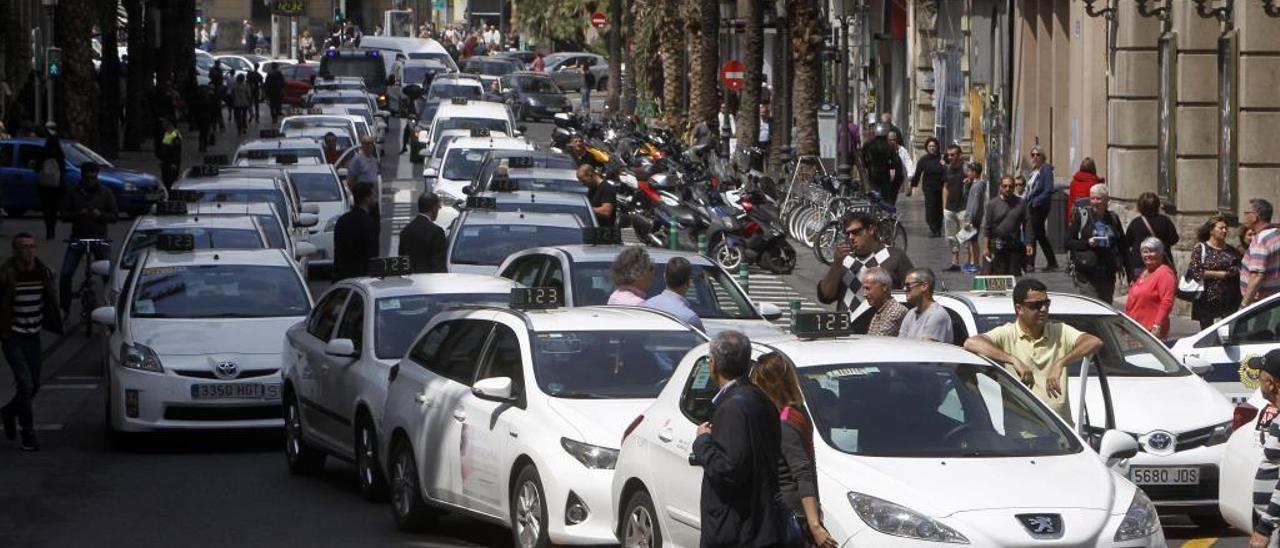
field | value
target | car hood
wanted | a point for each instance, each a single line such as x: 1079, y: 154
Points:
x: 598, y: 422
x: 124, y: 174
x: 1143, y: 404
x: 756, y: 330
x: 550, y: 98
x: 198, y: 337
x: 482, y: 269
x: 941, y: 487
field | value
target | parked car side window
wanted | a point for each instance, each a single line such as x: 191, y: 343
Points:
x: 27, y: 155
x: 1258, y: 326
x: 554, y: 277
x: 324, y: 316
x: 695, y: 402
x: 503, y: 359
x: 525, y: 271
x: 6, y: 155
x: 450, y: 350
x: 352, y: 325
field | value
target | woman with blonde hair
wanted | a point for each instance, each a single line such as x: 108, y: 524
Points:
x: 775, y: 375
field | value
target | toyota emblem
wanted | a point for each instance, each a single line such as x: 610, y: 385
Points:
x: 1042, y: 526
x: 1160, y: 442
x: 226, y: 370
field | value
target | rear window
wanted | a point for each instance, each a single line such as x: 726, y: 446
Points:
x: 369, y: 68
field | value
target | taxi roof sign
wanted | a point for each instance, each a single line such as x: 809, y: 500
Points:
x: 482, y: 202
x: 822, y: 325
x: 216, y: 159
x: 382, y: 267
x: 171, y: 207
x: 993, y: 284
x: 536, y: 298
x: 286, y: 158
x: 184, y: 195
x: 175, y: 241
x: 458, y: 100
x: 601, y: 235
x: 205, y: 170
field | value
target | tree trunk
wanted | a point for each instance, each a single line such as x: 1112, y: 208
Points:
x: 138, y: 110
x: 17, y: 62
x: 704, y: 64
x: 628, y: 78
x: 749, y: 107
x: 184, y: 46
x: 781, y: 106
x: 614, y: 89
x: 806, y: 43
x: 671, y: 51
x: 76, y: 86
x: 109, y: 81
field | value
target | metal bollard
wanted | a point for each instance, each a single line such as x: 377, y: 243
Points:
x: 702, y: 244
x: 795, y: 310
x: 743, y: 278
x: 673, y: 238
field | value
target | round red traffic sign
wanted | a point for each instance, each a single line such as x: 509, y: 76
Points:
x: 732, y: 74
x: 598, y: 20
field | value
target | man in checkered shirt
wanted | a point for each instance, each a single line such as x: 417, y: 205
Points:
x: 860, y: 248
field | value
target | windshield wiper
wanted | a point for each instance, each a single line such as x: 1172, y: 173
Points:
x: 581, y: 395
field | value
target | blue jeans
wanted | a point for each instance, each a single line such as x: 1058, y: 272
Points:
x: 586, y: 97
x: 23, y: 354
x: 70, y: 262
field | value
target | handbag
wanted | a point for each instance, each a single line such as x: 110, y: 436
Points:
x: 50, y: 173
x: 1189, y: 288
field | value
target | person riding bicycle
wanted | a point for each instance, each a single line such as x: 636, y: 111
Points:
x: 89, y: 207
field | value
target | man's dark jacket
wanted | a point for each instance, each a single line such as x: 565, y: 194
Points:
x: 1092, y: 262
x: 424, y: 243
x: 355, y: 241
x: 740, y: 471
x: 274, y: 86
x: 78, y: 199
x: 51, y: 317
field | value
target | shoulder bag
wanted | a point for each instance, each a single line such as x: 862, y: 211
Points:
x: 1189, y: 288
x: 50, y: 173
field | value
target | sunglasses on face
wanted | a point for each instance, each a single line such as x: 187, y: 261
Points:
x: 854, y: 232
x: 912, y: 285
x: 1035, y: 305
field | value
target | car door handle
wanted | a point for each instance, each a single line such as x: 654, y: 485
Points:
x: 665, y: 435
x: 459, y: 415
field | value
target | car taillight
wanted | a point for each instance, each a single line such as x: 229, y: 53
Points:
x: 631, y: 428
x: 1242, y: 415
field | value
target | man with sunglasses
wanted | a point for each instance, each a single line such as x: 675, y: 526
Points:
x: 1035, y: 349
x: 861, y: 248
x: 926, y: 320
x: 1005, y: 218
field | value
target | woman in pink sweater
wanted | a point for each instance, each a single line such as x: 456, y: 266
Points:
x: 1151, y: 295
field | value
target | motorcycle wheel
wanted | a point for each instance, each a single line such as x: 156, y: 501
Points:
x: 824, y: 245
x: 727, y: 256
x: 779, y: 260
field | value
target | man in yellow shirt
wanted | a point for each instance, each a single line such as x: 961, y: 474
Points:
x: 1034, y: 348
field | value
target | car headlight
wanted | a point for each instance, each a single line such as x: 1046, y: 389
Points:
x: 591, y: 456
x: 129, y: 187
x: 1140, y: 521
x: 900, y: 521
x: 1221, y: 433
x: 140, y: 357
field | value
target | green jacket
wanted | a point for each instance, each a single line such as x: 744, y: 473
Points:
x: 52, y: 317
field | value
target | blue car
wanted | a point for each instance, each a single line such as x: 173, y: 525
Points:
x: 135, y: 191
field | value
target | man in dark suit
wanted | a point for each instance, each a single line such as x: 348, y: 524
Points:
x: 355, y: 235
x: 739, y: 456
x: 422, y: 240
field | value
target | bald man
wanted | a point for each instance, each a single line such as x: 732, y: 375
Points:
x: 601, y: 194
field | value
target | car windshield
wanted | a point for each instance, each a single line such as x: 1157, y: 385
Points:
x: 581, y: 211
x: 443, y: 58
x: 492, y: 124
x: 204, y: 63
x: 537, y: 85
x: 1127, y: 349
x: 219, y: 291
x: 490, y: 244
x: 77, y: 154
x: 399, y: 319
x: 271, y: 229
x: 443, y: 145
x: 538, y: 184
x: 448, y: 90
x: 462, y: 163
x: 608, y: 364
x: 317, y: 122
x: 414, y: 74
x: 712, y: 294
x: 368, y: 68
x: 489, y: 68
x: 243, y: 195
x: 940, y: 410
x: 338, y: 100
x: 317, y: 187
x: 204, y: 238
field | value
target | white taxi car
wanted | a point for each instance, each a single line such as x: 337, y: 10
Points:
x: 267, y: 151
x: 336, y: 361
x: 480, y: 239
x: 1227, y: 345
x: 1180, y: 422
x: 720, y: 302
x: 968, y: 455
x: 461, y: 113
x: 195, y: 339
x: 1241, y: 458
x: 514, y: 416
x: 523, y: 201
x: 462, y: 160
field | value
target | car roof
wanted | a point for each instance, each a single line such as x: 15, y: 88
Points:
x: 195, y: 220
x: 254, y: 257
x: 473, y: 109
x: 488, y: 218
x: 285, y: 142
x: 493, y: 142
x: 228, y: 183
x: 584, y: 253
x: 539, y: 196
x: 231, y: 208
x: 311, y: 168
x: 600, y: 318
x: 343, y: 117
x: 432, y: 284
x: 1001, y: 303
x: 870, y: 350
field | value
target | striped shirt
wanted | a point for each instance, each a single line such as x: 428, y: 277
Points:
x: 1266, y: 496
x: 28, y: 302
x: 1263, y: 257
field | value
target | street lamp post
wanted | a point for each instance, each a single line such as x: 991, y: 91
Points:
x: 1108, y: 12
x: 844, y: 164
x: 1271, y: 8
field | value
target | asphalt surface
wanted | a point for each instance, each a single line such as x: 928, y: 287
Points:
x: 234, y: 489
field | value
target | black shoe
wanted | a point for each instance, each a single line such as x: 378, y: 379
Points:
x: 10, y: 425
x: 29, y: 442
x: 953, y: 268
x: 1050, y: 268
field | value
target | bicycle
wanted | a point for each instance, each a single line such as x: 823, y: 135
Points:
x: 88, y: 298
x: 889, y: 229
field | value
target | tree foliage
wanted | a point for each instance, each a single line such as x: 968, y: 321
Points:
x: 550, y: 21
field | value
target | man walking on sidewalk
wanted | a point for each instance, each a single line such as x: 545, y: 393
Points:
x: 953, y: 202
x: 1039, y: 196
x: 1260, y: 270
x: 28, y: 304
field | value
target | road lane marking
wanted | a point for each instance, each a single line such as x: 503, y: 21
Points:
x: 1200, y: 543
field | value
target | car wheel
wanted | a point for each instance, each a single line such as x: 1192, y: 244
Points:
x: 407, y: 507
x: 302, y: 458
x: 640, y: 528
x: 373, y: 484
x: 529, y: 511
x: 15, y: 211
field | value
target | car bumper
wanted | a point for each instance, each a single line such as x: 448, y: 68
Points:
x: 592, y: 487
x: 1201, y: 498
x: 998, y: 528
x: 164, y: 402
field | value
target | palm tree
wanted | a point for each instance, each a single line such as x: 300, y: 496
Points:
x: 628, y: 80
x: 17, y: 62
x: 703, y: 27
x: 806, y: 44
x: 78, y: 90
x: 140, y: 73
x: 109, y: 81
x: 614, y: 90
x: 749, y: 106
x: 671, y: 51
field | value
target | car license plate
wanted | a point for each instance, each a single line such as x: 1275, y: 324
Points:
x: 236, y: 391
x: 1165, y: 475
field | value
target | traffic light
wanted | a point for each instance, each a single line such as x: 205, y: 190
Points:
x: 337, y: 15
x: 53, y: 60
x: 199, y: 16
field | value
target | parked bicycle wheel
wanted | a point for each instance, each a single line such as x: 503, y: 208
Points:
x: 824, y: 245
x: 891, y: 233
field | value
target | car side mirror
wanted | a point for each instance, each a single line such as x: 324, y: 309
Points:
x: 493, y: 389
x: 305, y: 249
x: 101, y: 268
x: 1117, y: 445
x: 1199, y: 366
x: 769, y: 311
x: 1224, y: 333
x: 104, y: 315
x: 340, y: 348
x: 468, y: 190
x: 307, y: 220
x: 522, y: 128
x: 342, y: 173
x: 430, y: 173
x: 310, y: 208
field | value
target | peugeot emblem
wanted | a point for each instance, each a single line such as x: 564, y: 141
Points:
x: 226, y: 370
x: 1042, y: 526
x: 1160, y: 442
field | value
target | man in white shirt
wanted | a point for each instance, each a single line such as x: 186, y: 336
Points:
x: 679, y: 277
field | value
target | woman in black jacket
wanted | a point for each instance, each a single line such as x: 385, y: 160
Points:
x: 775, y: 375
x: 1149, y: 223
x: 51, y: 185
x: 930, y: 169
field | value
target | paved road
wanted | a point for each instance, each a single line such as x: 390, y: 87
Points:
x: 234, y: 489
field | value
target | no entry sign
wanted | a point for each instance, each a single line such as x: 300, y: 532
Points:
x: 732, y: 74
x: 598, y: 20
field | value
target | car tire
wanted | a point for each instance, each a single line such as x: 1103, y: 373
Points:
x: 409, y: 510
x: 529, y: 510
x: 639, y: 527
x: 371, y: 480
x: 302, y: 458
x: 15, y: 211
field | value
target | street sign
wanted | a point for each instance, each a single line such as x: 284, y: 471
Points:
x: 598, y: 20
x: 289, y: 7
x: 732, y: 74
